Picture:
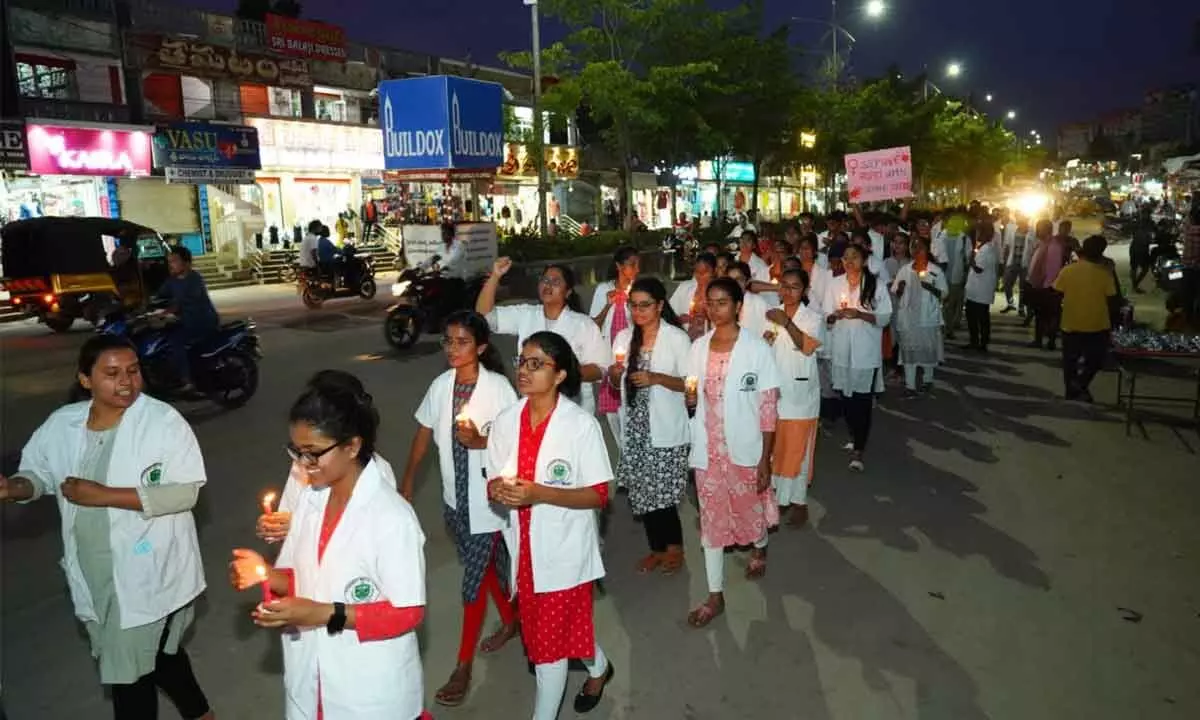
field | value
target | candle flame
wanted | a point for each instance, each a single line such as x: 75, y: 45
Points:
x: 268, y: 502
x: 261, y: 571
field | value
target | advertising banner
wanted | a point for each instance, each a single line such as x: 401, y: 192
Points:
x: 307, y: 145
x: 306, y: 38
x: 879, y: 174
x: 188, y: 57
x: 206, y: 145
x: 101, y: 152
x: 442, y: 123
x: 422, y: 242
x: 12, y: 145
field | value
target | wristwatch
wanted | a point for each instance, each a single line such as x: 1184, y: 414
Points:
x: 337, y: 622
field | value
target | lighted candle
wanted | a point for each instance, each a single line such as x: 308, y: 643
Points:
x: 843, y: 301
x: 691, y: 382
x: 619, y: 354
x: 268, y: 503
x: 265, y: 581
x: 922, y: 274
x: 462, y: 418
x: 772, y: 331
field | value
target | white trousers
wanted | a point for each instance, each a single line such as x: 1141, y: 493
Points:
x: 552, y: 683
x: 714, y: 565
x: 910, y: 375
x: 793, y: 490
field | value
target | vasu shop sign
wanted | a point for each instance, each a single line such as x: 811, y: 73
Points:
x: 226, y: 153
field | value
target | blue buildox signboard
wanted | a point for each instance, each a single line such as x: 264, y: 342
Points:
x: 442, y: 123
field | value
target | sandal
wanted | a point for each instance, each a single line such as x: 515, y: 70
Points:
x: 706, y: 611
x: 454, y: 692
x: 500, y: 638
x: 649, y: 563
x: 672, y: 561
x: 758, y: 565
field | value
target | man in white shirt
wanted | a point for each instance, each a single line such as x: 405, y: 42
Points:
x: 308, y: 246
x: 981, y: 286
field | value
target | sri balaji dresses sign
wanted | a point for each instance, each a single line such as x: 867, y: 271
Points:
x: 118, y: 151
x: 306, y: 38
x: 187, y: 57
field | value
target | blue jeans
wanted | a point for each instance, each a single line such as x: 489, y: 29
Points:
x: 179, y: 341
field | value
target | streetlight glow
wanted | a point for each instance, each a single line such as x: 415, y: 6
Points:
x: 989, y: 97
x: 1012, y: 114
x: 954, y: 69
x: 875, y: 8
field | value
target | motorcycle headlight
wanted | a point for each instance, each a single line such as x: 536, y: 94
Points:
x: 399, y: 288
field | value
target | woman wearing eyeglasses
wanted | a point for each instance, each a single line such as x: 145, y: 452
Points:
x: 735, y: 393
x: 653, y: 462
x: 457, y: 415
x: 350, y: 579
x: 558, y: 312
x: 550, y: 466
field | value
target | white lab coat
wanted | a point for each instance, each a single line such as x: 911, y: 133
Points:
x: 878, y: 243
x: 759, y: 269
x: 157, y: 567
x: 917, y: 307
x: 754, y: 314
x: 492, y: 394
x: 817, y: 280
x: 752, y: 371
x: 565, y: 543
x: 857, y: 344
x: 952, y: 251
x: 799, y: 384
x: 374, y: 555
x: 981, y: 286
x: 578, y: 329
x: 681, y: 299
x: 668, y: 409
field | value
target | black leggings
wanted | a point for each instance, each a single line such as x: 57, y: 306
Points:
x: 173, y: 675
x: 856, y: 408
x: 663, y: 528
x: 979, y: 323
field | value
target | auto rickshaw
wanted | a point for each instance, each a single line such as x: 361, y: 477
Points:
x: 58, y: 269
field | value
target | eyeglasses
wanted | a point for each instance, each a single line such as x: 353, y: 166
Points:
x: 792, y: 288
x: 309, y: 457
x: 448, y: 342
x: 551, y: 282
x: 532, y: 364
x: 644, y: 305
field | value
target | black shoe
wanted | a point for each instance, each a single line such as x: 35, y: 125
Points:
x: 1036, y: 344
x: 586, y: 703
x: 1051, y: 346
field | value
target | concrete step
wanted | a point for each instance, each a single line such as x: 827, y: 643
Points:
x: 227, y: 282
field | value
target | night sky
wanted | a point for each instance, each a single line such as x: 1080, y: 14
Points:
x: 1053, y: 61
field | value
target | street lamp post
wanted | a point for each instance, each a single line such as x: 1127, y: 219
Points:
x: 873, y: 9
x: 538, y: 130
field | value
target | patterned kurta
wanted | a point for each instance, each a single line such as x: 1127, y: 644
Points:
x: 554, y: 625
x: 475, y: 551
x: 655, y: 476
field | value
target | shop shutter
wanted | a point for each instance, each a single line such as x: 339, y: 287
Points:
x: 155, y: 204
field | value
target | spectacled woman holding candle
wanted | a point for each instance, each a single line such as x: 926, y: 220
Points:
x: 797, y: 338
x: 733, y: 436
x: 350, y: 579
x: 557, y: 312
x: 551, y: 469
x: 857, y: 308
x: 456, y: 414
x: 654, y: 462
x: 919, y: 288
x: 688, y: 299
x: 125, y: 470
x: 610, y: 310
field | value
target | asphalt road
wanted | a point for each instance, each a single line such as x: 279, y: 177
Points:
x: 1006, y: 555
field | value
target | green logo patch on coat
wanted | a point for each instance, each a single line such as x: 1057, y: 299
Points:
x: 361, y: 590
x: 152, y: 475
x: 559, y: 472
x: 750, y: 382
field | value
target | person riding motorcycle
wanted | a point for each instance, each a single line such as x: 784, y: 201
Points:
x: 452, y: 266
x: 307, y: 255
x: 188, y: 300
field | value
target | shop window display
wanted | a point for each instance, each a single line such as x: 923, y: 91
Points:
x: 22, y: 198
x: 42, y: 80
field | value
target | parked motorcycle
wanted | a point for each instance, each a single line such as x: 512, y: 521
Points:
x: 419, y: 307
x: 224, y: 367
x: 355, y: 275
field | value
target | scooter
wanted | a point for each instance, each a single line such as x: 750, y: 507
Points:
x: 418, y: 308
x: 356, y: 276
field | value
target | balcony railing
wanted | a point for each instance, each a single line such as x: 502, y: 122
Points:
x: 74, y: 110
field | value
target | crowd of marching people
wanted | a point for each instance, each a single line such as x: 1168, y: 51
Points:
x: 726, y: 383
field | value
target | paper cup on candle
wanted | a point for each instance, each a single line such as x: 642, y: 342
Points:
x: 843, y: 301
x: 462, y: 418
x: 619, y: 355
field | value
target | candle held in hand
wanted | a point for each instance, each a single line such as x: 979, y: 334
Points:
x: 268, y: 503
x: 462, y: 418
x: 267, y: 595
x: 691, y: 383
x: 843, y: 301
x: 619, y: 354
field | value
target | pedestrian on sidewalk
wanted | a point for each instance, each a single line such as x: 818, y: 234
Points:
x: 126, y: 471
x: 1047, y: 261
x: 349, y: 583
x: 919, y: 288
x: 456, y: 414
x: 610, y: 310
x: 654, y: 464
x: 1087, y: 288
x: 795, y: 335
x: 549, y: 466
x: 1016, y: 266
x: 857, y: 307
x: 734, y: 387
x: 981, y: 287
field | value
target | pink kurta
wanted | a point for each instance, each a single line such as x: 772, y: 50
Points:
x: 732, y: 511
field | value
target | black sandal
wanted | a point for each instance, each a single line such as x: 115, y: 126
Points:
x: 586, y: 703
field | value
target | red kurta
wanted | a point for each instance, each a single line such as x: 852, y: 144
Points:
x: 554, y: 625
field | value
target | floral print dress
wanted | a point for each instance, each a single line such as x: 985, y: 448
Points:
x: 655, y: 476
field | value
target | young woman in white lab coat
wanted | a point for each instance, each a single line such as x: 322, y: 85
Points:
x: 610, y: 310
x: 551, y: 468
x: 558, y: 312
x: 350, y: 578
x: 795, y: 336
x: 688, y: 299
x: 753, y: 315
x: 654, y: 462
x: 919, y: 288
x: 125, y: 470
x: 733, y: 384
x: 456, y: 414
x: 857, y: 308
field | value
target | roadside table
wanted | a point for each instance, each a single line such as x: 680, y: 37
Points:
x: 1132, y: 362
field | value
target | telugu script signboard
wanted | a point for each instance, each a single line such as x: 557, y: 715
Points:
x: 214, y: 61
x: 306, y: 38
x: 879, y: 174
